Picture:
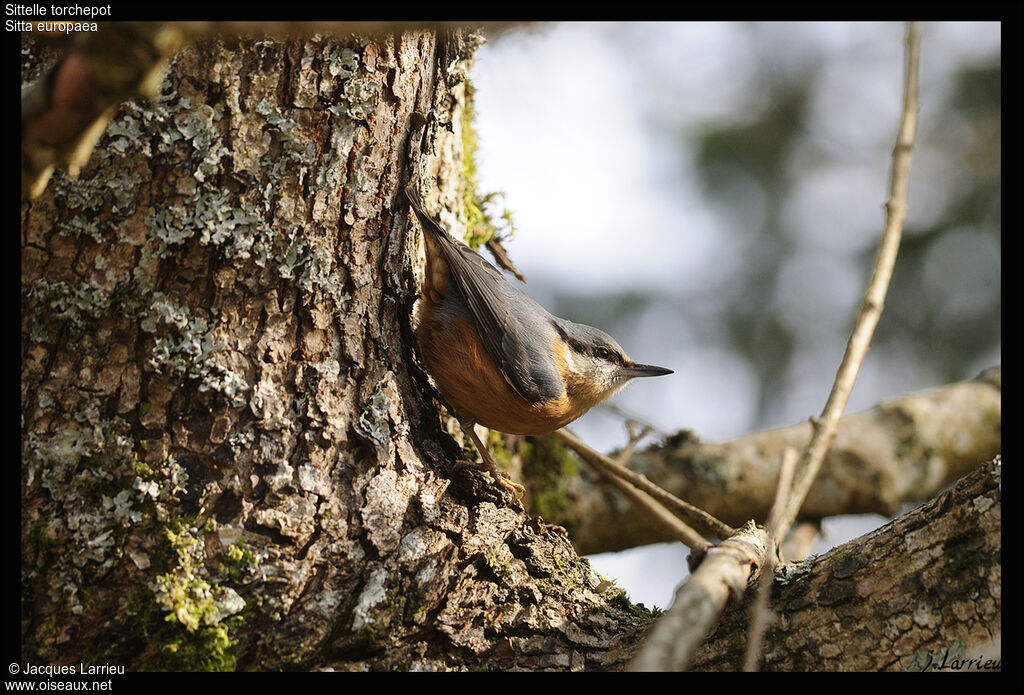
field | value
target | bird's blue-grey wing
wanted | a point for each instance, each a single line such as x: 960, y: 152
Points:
x: 515, y: 330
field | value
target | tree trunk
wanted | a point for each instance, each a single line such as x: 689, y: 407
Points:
x: 231, y: 457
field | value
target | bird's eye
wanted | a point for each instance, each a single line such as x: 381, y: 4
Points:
x: 601, y: 353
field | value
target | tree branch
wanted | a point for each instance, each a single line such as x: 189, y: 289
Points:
x: 902, y: 450
x: 874, y: 297
x: 683, y: 509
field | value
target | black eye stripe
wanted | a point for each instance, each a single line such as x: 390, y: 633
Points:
x: 588, y: 347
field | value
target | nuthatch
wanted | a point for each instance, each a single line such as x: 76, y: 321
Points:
x: 498, y: 357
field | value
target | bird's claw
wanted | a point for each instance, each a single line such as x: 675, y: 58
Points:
x: 506, y: 482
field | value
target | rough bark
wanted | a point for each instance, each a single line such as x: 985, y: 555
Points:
x: 921, y: 591
x: 230, y: 456
x: 903, y: 450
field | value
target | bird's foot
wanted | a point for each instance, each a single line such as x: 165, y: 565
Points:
x: 490, y: 465
x: 506, y: 482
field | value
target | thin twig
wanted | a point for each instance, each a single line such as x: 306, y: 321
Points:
x: 684, y: 510
x: 722, y: 577
x: 634, y: 438
x: 497, y: 250
x: 874, y: 297
x: 660, y: 514
x: 647, y: 504
x: 724, y: 573
x: 797, y: 544
x: 760, y: 614
x: 631, y: 417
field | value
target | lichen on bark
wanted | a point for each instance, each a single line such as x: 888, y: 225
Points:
x: 231, y: 457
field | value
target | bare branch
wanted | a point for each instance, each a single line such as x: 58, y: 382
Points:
x: 727, y: 569
x: 900, y: 451
x: 722, y: 576
x: 902, y: 597
x: 760, y: 614
x: 798, y: 542
x: 687, y: 511
x: 874, y: 298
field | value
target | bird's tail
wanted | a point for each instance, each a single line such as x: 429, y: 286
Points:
x: 429, y: 224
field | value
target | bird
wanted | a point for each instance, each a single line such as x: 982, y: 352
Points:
x: 499, y: 358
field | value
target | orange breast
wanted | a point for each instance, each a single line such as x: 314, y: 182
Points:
x: 471, y: 382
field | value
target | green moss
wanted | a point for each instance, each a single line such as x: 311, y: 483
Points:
x: 620, y: 599
x: 501, y: 453
x: 967, y: 530
x: 99, y: 494
x: 482, y: 224
x: 958, y: 548
x: 201, y: 610
x: 209, y: 648
x: 544, y: 585
x: 142, y: 469
x: 553, y: 466
x: 37, y: 533
x: 239, y: 561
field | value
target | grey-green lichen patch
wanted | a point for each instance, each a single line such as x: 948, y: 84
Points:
x: 359, y: 89
x: 188, y: 348
x: 202, y: 208
x: 127, y: 134
x: 332, y: 172
x: 372, y: 595
x: 360, y: 96
x: 112, y: 190
x: 342, y: 62
x: 458, y: 68
x: 982, y: 503
x: 199, y: 127
x: 210, y: 214
x: 708, y: 468
x: 81, y: 305
x: 373, y: 420
x: 319, y: 270
x: 98, y: 491
x: 97, y: 204
x: 296, y: 154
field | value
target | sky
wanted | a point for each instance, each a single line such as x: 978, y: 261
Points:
x: 585, y: 126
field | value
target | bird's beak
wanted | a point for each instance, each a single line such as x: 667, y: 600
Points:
x: 645, y: 370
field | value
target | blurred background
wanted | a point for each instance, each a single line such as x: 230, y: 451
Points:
x: 712, y: 195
